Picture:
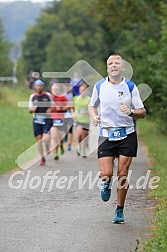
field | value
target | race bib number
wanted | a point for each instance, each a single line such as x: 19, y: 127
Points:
x: 82, y: 111
x: 57, y: 122
x: 68, y: 115
x: 40, y: 119
x: 116, y: 134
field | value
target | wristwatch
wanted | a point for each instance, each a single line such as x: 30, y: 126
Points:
x: 132, y: 112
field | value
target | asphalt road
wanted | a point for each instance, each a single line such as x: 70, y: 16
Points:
x: 73, y: 219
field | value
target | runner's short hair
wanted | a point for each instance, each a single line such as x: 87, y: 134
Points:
x: 115, y: 54
x: 83, y: 83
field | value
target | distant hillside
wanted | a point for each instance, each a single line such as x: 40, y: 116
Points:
x: 17, y: 16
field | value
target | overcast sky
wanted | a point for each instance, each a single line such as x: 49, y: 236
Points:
x: 4, y: 1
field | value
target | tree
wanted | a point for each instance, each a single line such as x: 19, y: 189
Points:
x: 56, y: 61
x: 61, y: 19
x: 5, y: 63
x: 157, y: 71
x: 127, y: 30
x: 36, y: 40
x: 138, y: 31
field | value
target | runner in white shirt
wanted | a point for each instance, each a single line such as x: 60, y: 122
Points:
x: 119, y: 105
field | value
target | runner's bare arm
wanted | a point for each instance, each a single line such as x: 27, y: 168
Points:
x: 138, y: 113
x: 32, y: 109
x: 49, y: 110
x: 94, y: 114
x: 135, y: 113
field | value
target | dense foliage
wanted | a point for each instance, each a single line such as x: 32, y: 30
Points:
x: 91, y: 30
x: 5, y: 64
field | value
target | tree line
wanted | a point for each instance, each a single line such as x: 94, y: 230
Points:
x: 70, y: 30
x: 5, y: 62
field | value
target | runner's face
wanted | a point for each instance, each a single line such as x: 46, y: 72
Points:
x: 115, y: 66
x: 39, y: 88
x: 55, y: 89
x: 82, y: 89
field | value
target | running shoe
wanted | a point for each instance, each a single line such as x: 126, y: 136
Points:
x: 56, y: 156
x: 84, y: 154
x: 118, y: 216
x: 62, y: 150
x: 42, y: 161
x: 69, y: 147
x: 105, y: 191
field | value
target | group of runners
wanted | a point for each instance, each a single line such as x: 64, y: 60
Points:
x: 114, y: 106
x: 54, y: 115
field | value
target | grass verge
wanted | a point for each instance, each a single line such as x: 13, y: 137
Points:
x: 16, y: 126
x: 157, y: 146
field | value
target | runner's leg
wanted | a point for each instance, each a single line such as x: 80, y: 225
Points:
x: 123, y: 167
x: 46, y: 139
x: 54, y: 140
x: 106, y: 167
x: 106, y: 172
x: 79, y: 133
x: 39, y: 145
x: 85, y: 134
x: 70, y: 131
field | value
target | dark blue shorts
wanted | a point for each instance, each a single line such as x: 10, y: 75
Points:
x: 40, y: 129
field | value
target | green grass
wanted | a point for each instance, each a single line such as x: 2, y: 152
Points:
x: 157, y: 146
x: 16, y: 126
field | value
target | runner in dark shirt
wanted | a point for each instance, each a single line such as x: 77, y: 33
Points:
x: 40, y: 104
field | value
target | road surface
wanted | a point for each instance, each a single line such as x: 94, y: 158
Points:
x: 73, y: 219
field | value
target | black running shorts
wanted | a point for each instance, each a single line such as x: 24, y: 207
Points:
x: 126, y: 147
